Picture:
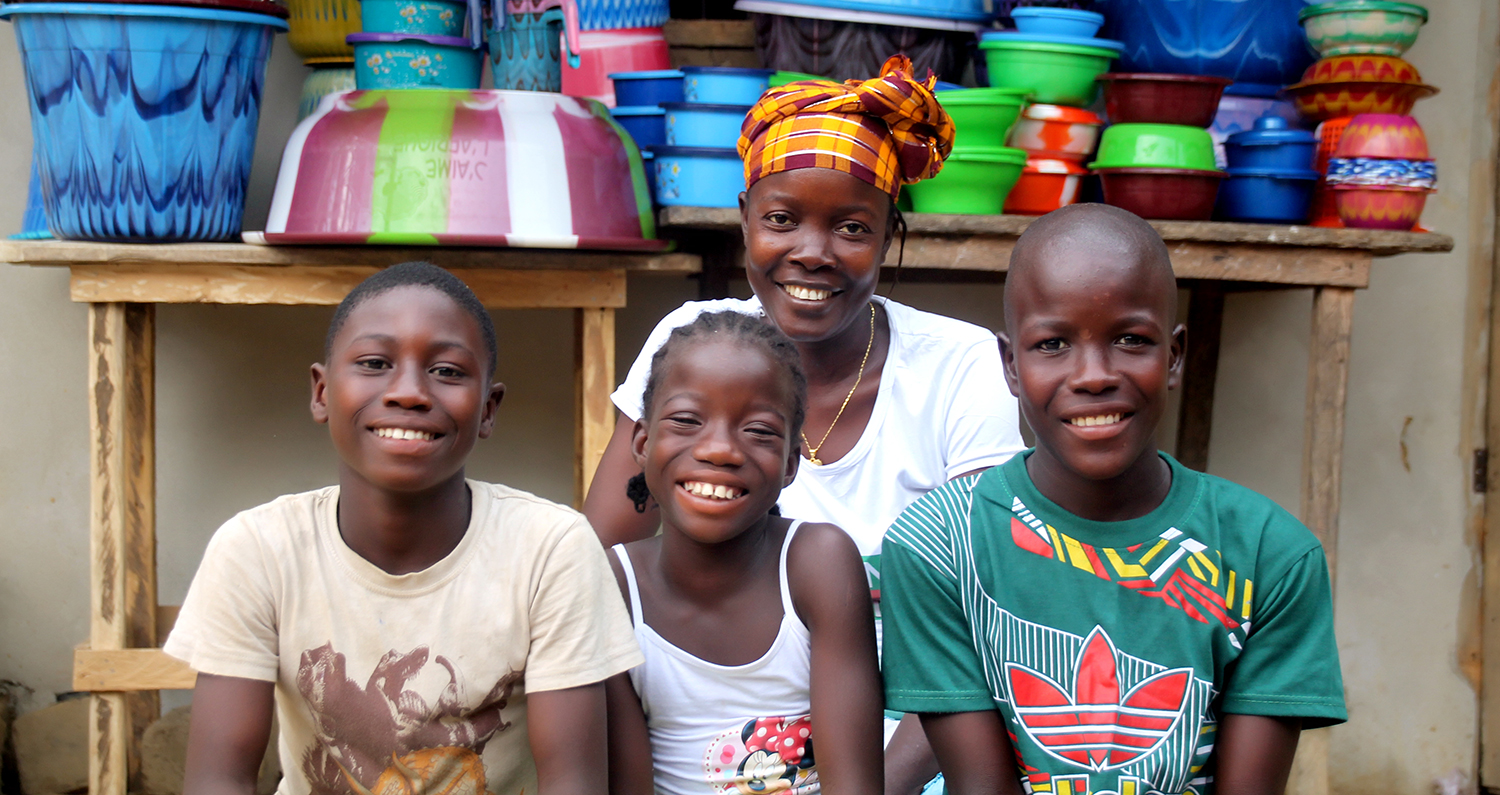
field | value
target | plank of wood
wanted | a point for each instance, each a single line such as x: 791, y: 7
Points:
x: 710, y: 33
x: 696, y: 56
x: 1200, y: 373
x: 122, y: 670
x: 1323, y: 436
x: 76, y: 252
x: 595, y: 379
x: 297, y: 284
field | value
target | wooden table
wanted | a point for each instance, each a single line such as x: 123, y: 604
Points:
x: 122, y: 665
x: 1209, y: 259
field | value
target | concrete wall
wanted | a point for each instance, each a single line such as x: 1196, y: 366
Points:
x: 234, y: 429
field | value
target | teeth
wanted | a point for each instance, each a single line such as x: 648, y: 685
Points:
x: 807, y: 293
x: 403, y: 433
x: 1103, y: 419
x: 710, y: 490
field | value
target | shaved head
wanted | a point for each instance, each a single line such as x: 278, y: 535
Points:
x: 1097, y: 233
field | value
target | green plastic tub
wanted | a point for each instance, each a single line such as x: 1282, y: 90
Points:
x: 983, y: 116
x: 1054, y: 74
x: 974, y: 181
x: 1155, y: 146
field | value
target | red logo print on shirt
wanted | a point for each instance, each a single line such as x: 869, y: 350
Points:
x: 1094, y: 727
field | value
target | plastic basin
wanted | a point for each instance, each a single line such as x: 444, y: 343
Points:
x: 605, y: 52
x: 1057, y: 131
x: 704, y: 126
x: 1191, y: 100
x: 427, y: 17
x: 1397, y: 209
x: 1057, y: 21
x: 1044, y: 186
x: 983, y: 116
x: 724, y: 85
x: 1060, y: 74
x: 974, y: 181
x: 409, y: 60
x: 1168, y: 194
x: 1383, y: 135
x: 1250, y: 42
x: 646, y: 125
x: 698, y: 176
x: 143, y: 116
x: 1267, y: 196
x: 639, y: 89
x: 1155, y: 146
x: 1362, y: 26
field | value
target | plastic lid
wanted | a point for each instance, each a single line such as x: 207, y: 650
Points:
x: 1278, y: 173
x: 707, y: 108
x: 637, y: 110
x: 1271, y: 130
x: 1362, y: 5
x: 1073, y: 45
x: 1061, y: 113
x: 1058, y: 13
x: 659, y: 74
x: 390, y: 38
x: 694, y: 151
x: 728, y: 70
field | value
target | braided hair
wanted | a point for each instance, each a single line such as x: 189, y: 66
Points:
x: 753, y: 330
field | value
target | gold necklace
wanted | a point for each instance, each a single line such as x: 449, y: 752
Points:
x: 812, y: 452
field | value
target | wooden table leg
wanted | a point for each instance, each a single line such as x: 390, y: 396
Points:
x: 1322, y: 475
x: 122, y: 536
x: 595, y: 334
x: 1205, y: 324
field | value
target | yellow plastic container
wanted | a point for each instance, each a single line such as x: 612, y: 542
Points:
x: 319, y: 28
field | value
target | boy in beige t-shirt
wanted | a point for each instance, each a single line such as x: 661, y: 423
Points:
x: 417, y: 632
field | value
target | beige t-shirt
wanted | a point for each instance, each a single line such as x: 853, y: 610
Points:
x: 417, y: 680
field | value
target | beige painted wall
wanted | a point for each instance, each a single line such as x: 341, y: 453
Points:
x: 234, y: 430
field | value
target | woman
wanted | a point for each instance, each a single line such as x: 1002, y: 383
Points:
x: 899, y: 401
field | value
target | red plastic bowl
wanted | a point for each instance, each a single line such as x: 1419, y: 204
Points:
x: 1044, y: 186
x: 1372, y: 207
x: 1166, y: 194
x: 1162, y: 98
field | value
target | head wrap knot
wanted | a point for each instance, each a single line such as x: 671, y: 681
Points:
x: 889, y: 131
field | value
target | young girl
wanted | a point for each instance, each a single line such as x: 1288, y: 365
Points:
x: 760, y: 672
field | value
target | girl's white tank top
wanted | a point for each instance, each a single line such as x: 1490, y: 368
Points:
x: 728, y: 729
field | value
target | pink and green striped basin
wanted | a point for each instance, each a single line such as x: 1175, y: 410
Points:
x: 462, y: 168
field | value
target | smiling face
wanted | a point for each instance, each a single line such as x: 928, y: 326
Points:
x: 716, y: 445
x: 405, y: 392
x: 814, y: 242
x: 1090, y: 353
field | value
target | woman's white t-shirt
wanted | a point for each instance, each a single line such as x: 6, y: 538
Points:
x: 943, y: 410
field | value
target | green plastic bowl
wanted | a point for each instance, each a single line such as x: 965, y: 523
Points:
x: 974, y: 181
x: 1054, y: 74
x: 983, y: 116
x: 1155, y: 146
x: 1355, y: 27
x: 779, y: 79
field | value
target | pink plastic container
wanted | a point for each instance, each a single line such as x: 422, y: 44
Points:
x: 604, y: 52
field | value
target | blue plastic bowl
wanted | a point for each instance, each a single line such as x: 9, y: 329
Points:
x: 724, y: 85
x: 143, y: 116
x: 1267, y: 196
x: 1057, y: 21
x: 647, y: 125
x: 647, y: 88
x: 698, y: 176
x: 1259, y: 42
x: 408, y: 60
x: 426, y: 17
x: 699, y: 125
x: 1271, y: 143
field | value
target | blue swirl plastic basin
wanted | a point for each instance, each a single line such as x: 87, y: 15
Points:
x: 408, y: 60
x: 427, y: 17
x: 1057, y: 21
x: 1259, y: 42
x: 647, y: 88
x: 1267, y: 196
x: 648, y: 125
x: 699, y: 125
x: 724, y: 85
x: 144, y: 116
x: 698, y: 177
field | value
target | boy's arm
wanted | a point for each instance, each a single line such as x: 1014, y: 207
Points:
x: 832, y: 596
x: 630, y: 771
x: 567, y: 733
x: 227, y: 737
x: 909, y: 762
x: 1254, y: 754
x: 974, y: 752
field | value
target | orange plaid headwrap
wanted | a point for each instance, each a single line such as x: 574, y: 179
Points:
x: 889, y: 131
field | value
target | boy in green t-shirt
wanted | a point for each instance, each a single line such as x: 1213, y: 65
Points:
x: 1092, y: 616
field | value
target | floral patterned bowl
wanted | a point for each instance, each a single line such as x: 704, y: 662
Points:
x: 409, y: 60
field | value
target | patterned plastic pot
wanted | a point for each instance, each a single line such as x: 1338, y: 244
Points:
x: 319, y: 28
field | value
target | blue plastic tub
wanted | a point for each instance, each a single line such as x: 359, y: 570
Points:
x: 1251, y: 42
x: 647, y: 125
x: 1057, y: 21
x: 1267, y: 196
x: 143, y: 116
x: 427, y: 17
x: 724, y: 85
x: 1271, y: 143
x: 647, y: 88
x: 407, y: 60
x: 700, y: 125
x: 648, y: 161
x: 698, y: 177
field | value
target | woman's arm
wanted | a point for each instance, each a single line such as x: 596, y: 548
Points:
x: 227, y: 737
x: 630, y: 771
x: 832, y: 597
x: 567, y: 733
x: 611, y: 513
x: 1254, y: 754
x: 974, y: 752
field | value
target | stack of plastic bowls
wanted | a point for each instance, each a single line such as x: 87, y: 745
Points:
x: 417, y: 44
x: 1162, y: 171
x: 698, y: 165
x: 981, y: 170
x: 1271, y: 174
x: 639, y: 97
x: 1382, y: 172
x: 1057, y: 140
x: 1053, y: 55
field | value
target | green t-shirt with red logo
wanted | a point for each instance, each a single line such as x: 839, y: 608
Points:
x: 1110, y: 648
